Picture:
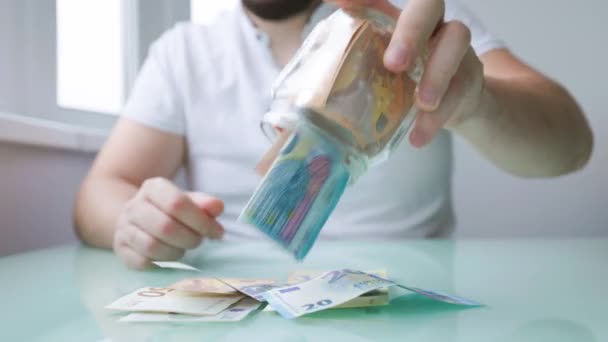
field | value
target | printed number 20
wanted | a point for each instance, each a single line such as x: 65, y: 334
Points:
x: 323, y: 302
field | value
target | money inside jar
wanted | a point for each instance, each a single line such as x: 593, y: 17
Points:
x: 337, y: 110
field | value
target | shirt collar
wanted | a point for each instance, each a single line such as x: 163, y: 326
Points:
x: 322, y: 11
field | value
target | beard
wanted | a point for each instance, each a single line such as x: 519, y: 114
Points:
x: 277, y: 10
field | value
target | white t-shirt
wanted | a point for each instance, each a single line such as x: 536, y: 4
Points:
x: 211, y: 84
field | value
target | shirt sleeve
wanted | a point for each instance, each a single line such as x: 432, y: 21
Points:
x: 482, y: 40
x: 155, y: 99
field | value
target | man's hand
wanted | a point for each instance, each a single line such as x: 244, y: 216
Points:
x: 161, y: 222
x: 452, y: 83
x: 518, y: 118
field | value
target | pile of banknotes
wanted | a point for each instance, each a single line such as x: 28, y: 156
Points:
x: 229, y: 300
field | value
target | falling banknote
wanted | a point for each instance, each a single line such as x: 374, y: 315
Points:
x: 299, y: 191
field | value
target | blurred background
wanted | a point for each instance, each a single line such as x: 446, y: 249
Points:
x: 66, y: 67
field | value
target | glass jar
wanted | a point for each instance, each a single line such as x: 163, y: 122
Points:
x: 337, y: 82
x: 336, y: 111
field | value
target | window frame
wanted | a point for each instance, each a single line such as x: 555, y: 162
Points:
x: 145, y: 20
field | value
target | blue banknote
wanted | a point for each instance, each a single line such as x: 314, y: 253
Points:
x: 336, y: 287
x: 299, y: 191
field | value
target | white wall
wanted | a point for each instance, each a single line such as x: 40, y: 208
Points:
x: 568, y: 40
x: 10, y: 63
x: 37, y: 190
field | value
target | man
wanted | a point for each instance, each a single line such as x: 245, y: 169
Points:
x: 203, y: 89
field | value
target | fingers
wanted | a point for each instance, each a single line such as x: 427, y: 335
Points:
x: 272, y: 153
x: 426, y: 127
x: 211, y: 205
x: 415, y: 26
x: 440, y: 99
x: 450, y: 46
x: 162, y: 226
x: 454, y: 104
x: 149, y: 246
x: 177, y: 204
x: 130, y: 257
x: 161, y: 222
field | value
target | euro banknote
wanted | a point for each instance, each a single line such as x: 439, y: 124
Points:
x: 299, y: 191
x: 203, y: 287
x: 153, y: 299
x: 337, y: 287
x: 377, y: 297
x: 307, y: 291
x: 236, y: 312
x: 195, y: 286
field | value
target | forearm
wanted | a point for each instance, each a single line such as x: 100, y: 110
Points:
x: 99, y: 203
x: 529, y: 127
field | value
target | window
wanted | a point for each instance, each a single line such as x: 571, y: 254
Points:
x: 73, y: 61
x: 90, y: 55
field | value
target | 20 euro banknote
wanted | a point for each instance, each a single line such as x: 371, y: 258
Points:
x: 336, y: 287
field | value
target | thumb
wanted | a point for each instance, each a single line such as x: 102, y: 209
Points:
x: 213, y: 206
